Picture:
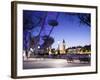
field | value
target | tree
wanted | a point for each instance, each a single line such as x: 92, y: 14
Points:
x: 52, y: 23
x: 85, y: 19
x: 53, y: 51
x: 48, y: 41
x: 86, y: 48
x: 31, y: 20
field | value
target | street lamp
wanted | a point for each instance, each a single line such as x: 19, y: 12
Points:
x: 58, y: 48
x: 58, y: 42
x: 38, y: 47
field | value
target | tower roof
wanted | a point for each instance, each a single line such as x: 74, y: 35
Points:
x: 63, y: 41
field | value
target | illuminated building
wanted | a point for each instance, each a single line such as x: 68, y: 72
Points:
x: 62, y: 47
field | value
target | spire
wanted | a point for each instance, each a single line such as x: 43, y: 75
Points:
x: 63, y: 41
x: 64, y: 44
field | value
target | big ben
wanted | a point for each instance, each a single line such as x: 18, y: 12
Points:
x: 63, y: 47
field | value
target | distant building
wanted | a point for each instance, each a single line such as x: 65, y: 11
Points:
x: 74, y: 50
x: 62, y: 47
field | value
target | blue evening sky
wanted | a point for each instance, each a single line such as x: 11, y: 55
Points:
x: 68, y: 29
x: 71, y: 31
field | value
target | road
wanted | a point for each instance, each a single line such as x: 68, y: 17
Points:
x: 36, y: 63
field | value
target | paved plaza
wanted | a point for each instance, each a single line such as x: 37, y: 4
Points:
x: 36, y: 63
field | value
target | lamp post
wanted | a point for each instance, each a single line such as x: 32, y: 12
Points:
x: 58, y: 48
